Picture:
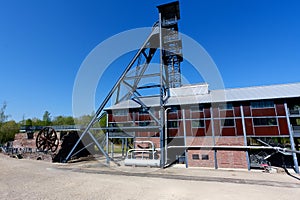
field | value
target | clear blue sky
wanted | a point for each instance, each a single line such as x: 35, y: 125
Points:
x: 43, y: 43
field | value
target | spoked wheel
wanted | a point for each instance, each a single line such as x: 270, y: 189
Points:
x: 47, y: 140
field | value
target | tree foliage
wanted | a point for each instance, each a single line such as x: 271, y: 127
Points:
x: 62, y: 120
x: 84, y: 120
x: 3, y: 116
x: 46, y: 118
x: 8, y: 129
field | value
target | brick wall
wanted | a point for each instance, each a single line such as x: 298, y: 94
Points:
x: 225, y: 159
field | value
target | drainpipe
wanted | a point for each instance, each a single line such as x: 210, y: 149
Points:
x: 291, y: 133
x: 184, y: 136
x: 166, y: 135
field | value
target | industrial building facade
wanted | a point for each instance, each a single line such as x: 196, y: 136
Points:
x: 198, y: 117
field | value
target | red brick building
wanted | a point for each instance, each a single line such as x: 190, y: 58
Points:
x: 197, y: 118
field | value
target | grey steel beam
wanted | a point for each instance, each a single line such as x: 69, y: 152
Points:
x: 213, y: 136
x: 139, y: 101
x: 143, y: 76
x: 99, y: 146
x: 291, y: 133
x: 184, y: 136
x: 119, y: 81
x: 234, y: 148
x: 161, y: 102
x: 245, y: 136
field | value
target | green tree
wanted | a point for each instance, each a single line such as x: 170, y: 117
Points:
x: 61, y: 120
x: 46, y: 119
x: 103, y: 121
x: 28, y: 122
x: 8, y: 131
x: 3, y: 116
x: 83, y: 120
x: 37, y: 122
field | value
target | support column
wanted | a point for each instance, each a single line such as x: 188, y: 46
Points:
x: 184, y: 137
x: 112, y: 150
x: 126, y: 146
x: 291, y: 132
x: 107, y: 144
x: 245, y: 136
x: 122, y: 147
x: 213, y: 136
x: 161, y: 130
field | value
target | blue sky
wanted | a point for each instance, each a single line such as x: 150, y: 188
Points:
x: 43, y: 43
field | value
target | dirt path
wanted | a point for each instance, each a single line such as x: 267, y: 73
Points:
x: 29, y: 179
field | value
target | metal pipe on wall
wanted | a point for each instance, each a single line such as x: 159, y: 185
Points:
x: 166, y: 134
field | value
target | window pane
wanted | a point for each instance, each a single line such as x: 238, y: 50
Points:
x: 173, y: 109
x: 143, y: 111
x: 264, y: 121
x: 262, y: 104
x: 227, y: 122
x: 197, y: 108
x: 172, y: 124
x: 226, y: 106
x: 120, y: 112
x: 146, y: 123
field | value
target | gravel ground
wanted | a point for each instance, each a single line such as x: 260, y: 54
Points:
x: 31, y: 179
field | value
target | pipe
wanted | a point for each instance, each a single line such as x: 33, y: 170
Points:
x: 166, y: 135
x: 130, y: 151
x: 236, y: 148
x: 147, y: 141
x: 184, y: 136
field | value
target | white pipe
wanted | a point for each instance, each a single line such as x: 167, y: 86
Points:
x: 166, y: 134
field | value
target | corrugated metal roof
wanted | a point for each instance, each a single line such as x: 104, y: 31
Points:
x: 194, y: 94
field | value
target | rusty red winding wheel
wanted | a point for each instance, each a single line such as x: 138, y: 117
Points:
x: 47, y: 140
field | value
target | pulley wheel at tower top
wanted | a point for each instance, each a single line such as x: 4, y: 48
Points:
x: 47, y: 140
